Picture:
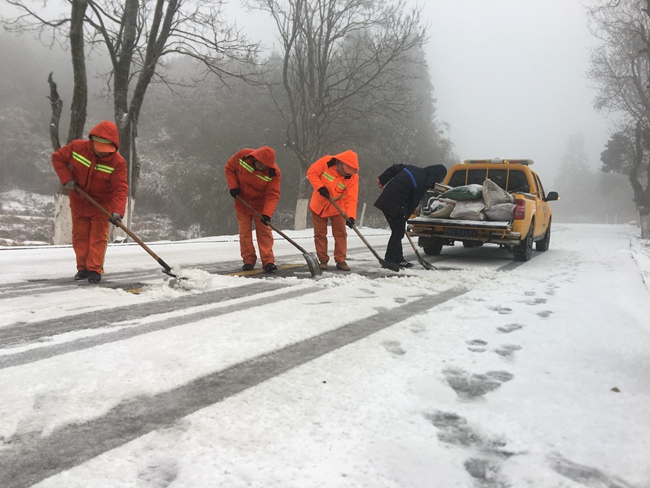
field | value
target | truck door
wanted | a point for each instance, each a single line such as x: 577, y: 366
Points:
x: 542, y: 210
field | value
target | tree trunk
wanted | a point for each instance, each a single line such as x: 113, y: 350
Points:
x: 300, y: 220
x: 302, y: 204
x: 57, y: 108
x: 644, y: 220
x: 62, y: 218
x: 78, y: 108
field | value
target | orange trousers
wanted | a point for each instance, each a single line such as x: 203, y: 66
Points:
x: 264, y: 239
x: 89, y: 241
x: 320, y: 237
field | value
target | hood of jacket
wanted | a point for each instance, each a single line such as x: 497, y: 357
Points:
x: 437, y: 173
x: 106, y: 130
x: 348, y: 157
x: 266, y: 156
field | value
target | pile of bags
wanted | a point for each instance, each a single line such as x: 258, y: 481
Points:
x: 472, y: 202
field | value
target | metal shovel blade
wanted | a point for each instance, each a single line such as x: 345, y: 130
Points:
x: 389, y: 265
x: 420, y: 259
x: 312, y: 262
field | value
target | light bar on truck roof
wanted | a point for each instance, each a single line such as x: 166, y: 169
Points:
x: 526, y: 162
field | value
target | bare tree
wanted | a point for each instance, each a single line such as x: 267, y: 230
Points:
x: 341, y: 61
x: 621, y: 69
x: 137, y: 35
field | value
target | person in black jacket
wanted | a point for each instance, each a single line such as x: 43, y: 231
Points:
x: 403, y: 186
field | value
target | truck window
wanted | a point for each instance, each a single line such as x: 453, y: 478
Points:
x: 458, y: 178
x: 476, y: 176
x: 518, y: 182
x: 499, y: 176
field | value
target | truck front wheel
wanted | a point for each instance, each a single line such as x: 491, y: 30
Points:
x: 524, y: 251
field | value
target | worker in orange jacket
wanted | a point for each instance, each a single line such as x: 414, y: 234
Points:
x: 255, y: 177
x: 95, y: 166
x: 334, y: 177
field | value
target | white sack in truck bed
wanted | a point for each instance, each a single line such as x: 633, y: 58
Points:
x: 469, y: 210
x: 501, y: 211
x: 493, y: 195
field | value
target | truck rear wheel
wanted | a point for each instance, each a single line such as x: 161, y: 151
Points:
x: 543, y: 245
x: 524, y: 251
x: 433, y: 249
x: 472, y: 244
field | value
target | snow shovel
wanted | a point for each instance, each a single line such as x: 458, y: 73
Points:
x: 424, y: 263
x: 312, y: 261
x: 383, y: 262
x: 167, y: 269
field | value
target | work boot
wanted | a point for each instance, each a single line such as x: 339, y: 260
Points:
x: 343, y: 266
x: 94, y: 277
x: 247, y: 267
x: 270, y: 268
x: 82, y: 274
x: 323, y: 265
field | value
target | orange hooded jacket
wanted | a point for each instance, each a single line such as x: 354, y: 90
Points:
x: 343, y: 190
x: 260, y: 189
x: 104, y: 179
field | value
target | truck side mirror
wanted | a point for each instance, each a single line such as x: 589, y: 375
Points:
x: 552, y: 195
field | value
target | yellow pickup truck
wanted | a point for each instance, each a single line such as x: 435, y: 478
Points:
x: 529, y: 223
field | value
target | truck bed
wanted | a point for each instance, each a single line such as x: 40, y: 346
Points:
x: 484, y: 224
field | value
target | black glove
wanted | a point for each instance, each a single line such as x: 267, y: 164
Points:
x: 323, y: 191
x: 115, y: 218
x: 70, y: 184
x: 265, y: 219
x: 234, y: 192
x: 350, y: 222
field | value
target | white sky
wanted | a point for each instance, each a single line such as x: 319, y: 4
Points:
x: 502, y: 378
x: 509, y: 77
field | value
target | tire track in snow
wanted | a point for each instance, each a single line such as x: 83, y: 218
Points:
x: 31, y: 458
x: 23, y: 334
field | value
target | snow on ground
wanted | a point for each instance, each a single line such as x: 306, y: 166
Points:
x: 484, y: 374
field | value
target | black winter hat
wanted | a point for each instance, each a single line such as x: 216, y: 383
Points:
x: 438, y: 171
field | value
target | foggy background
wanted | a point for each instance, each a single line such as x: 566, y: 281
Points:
x: 508, y: 78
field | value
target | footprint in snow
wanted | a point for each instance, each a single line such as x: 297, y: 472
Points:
x: 507, y: 350
x: 545, y: 313
x: 501, y: 310
x: 585, y: 475
x: 506, y: 329
x: 472, y: 385
x: 418, y: 328
x: 393, y: 347
x: 486, y: 470
x: 476, y: 345
x: 550, y: 289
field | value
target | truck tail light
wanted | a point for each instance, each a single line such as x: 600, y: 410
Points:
x: 520, y: 209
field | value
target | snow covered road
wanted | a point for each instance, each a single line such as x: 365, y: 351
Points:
x: 489, y: 374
